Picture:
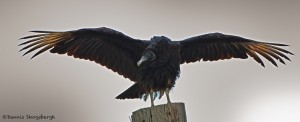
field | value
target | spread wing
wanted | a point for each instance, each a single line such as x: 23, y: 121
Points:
x: 217, y: 46
x: 104, y: 46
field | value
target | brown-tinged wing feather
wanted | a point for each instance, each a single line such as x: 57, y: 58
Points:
x: 105, y: 46
x: 217, y: 46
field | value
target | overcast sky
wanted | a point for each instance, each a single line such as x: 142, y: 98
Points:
x: 77, y: 90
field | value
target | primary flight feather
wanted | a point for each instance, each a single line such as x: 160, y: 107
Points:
x: 153, y: 64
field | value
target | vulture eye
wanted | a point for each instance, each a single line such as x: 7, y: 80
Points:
x: 150, y: 54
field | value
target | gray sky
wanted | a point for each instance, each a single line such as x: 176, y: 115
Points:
x: 78, y: 90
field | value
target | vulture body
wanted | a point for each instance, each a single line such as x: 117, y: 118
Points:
x: 154, y: 65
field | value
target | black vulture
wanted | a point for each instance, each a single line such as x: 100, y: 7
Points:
x: 153, y: 65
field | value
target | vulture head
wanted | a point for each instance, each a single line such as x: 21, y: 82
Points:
x: 156, y: 50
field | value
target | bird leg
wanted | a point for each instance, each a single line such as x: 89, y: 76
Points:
x: 167, y: 94
x: 151, y: 97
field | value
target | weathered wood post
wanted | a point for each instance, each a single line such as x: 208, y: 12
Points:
x: 173, y: 112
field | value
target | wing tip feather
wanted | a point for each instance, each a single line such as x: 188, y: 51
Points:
x: 39, y: 31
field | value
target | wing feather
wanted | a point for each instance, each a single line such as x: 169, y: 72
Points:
x: 104, y: 46
x: 274, y: 55
x: 217, y: 46
x: 251, y: 53
x: 265, y: 55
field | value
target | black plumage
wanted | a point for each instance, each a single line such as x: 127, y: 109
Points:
x: 154, y: 65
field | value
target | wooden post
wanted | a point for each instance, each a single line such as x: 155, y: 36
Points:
x: 173, y: 112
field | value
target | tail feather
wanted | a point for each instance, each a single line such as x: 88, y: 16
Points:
x: 132, y: 92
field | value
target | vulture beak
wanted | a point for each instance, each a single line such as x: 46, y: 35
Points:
x: 148, y: 55
x: 144, y: 58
